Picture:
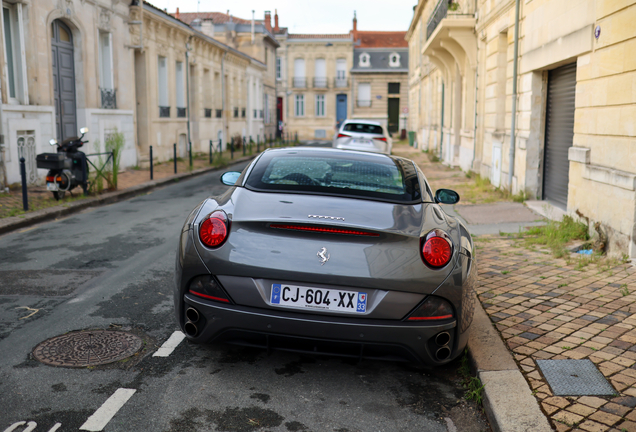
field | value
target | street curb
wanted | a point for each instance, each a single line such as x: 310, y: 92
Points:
x: 508, y: 401
x: 13, y: 223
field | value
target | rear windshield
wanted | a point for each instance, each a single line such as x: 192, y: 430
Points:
x: 363, y: 128
x: 323, y: 173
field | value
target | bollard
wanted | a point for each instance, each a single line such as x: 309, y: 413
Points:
x: 243, y: 146
x: 211, y: 152
x: 220, y: 148
x: 258, y: 144
x: 232, y: 149
x: 174, y: 156
x: 25, y: 198
x: 190, y: 150
x: 296, y: 138
x: 151, y: 167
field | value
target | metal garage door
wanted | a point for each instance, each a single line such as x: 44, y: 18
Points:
x: 559, y: 133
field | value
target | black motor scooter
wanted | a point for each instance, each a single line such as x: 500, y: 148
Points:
x: 68, y: 167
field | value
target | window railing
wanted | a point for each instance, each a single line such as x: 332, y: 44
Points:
x: 364, y: 103
x: 207, y: 112
x: 164, y: 111
x: 299, y: 82
x: 341, y: 82
x: 219, y: 113
x: 320, y: 82
x: 181, y: 112
x: 109, y: 98
x: 441, y: 10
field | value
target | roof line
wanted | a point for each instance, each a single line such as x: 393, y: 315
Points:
x: 155, y: 10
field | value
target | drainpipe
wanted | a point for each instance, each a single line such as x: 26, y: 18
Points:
x: 252, y: 26
x: 441, y: 141
x: 187, y: 71
x: 513, y: 126
x: 472, y: 164
x: 223, y: 92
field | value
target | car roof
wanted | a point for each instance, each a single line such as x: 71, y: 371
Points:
x: 363, y: 155
x: 371, y: 122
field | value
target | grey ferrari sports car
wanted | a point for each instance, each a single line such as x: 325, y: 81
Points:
x: 328, y: 251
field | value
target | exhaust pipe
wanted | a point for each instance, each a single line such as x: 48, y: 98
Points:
x: 443, y: 353
x: 191, y: 330
x: 192, y: 314
x: 441, y: 339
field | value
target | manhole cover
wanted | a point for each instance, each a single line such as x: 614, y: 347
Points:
x: 575, y: 378
x: 87, y: 348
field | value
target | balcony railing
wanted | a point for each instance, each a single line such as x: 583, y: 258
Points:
x: 109, y: 98
x: 181, y: 112
x: 164, y: 111
x: 448, y: 9
x: 207, y: 112
x: 320, y: 82
x: 341, y: 82
x: 299, y: 82
x: 364, y: 103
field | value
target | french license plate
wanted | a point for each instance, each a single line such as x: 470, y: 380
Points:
x: 51, y: 187
x: 318, y: 298
x: 363, y: 142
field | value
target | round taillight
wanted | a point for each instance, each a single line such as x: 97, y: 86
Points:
x: 437, y: 252
x: 214, y: 229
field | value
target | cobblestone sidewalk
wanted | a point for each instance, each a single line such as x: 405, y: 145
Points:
x: 574, y: 308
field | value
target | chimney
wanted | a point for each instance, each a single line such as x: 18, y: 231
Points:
x: 355, y: 25
x: 176, y: 15
x: 268, y: 21
x: 276, y: 28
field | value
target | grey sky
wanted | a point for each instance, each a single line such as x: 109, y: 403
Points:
x: 324, y: 16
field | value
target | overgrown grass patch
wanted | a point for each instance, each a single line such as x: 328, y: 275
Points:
x: 472, y: 384
x: 556, y: 235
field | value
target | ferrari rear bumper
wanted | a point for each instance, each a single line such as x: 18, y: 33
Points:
x: 333, y: 335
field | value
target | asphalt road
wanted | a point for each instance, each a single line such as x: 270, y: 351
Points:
x: 112, y: 268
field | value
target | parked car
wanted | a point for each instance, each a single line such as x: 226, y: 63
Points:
x: 328, y: 251
x: 363, y: 135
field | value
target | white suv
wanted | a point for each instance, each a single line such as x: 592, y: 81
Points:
x: 364, y: 135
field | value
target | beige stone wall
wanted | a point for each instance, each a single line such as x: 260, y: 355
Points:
x: 33, y: 108
x: 310, y: 50
x: 221, y: 80
x: 552, y: 33
x: 380, y: 105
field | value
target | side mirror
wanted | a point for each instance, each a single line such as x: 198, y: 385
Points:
x: 53, y: 142
x: 84, y: 130
x: 229, y: 178
x: 446, y: 196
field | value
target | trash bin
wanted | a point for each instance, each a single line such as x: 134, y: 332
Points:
x: 411, y: 138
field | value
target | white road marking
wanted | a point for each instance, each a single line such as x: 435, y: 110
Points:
x: 107, y: 411
x: 30, y: 426
x: 168, y: 346
x: 55, y: 427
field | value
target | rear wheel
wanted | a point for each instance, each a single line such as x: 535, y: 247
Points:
x: 59, y: 195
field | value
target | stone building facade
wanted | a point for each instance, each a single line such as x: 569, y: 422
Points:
x: 254, y: 38
x: 65, y: 65
x: 380, y: 78
x: 223, y: 93
x: 574, y: 141
x: 320, y: 78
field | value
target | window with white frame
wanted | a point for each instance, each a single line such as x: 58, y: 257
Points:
x: 320, y: 105
x: 179, y: 76
x: 279, y: 62
x: 394, y: 60
x: 365, y: 60
x: 15, y: 63
x: 341, y: 69
x: 163, y: 82
x: 364, y: 95
x: 299, y: 109
x: 105, y: 61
